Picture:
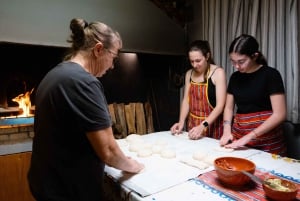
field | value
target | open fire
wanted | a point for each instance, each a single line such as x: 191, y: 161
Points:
x: 24, y: 103
x: 24, y: 117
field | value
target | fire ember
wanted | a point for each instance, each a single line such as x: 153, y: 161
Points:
x: 25, y: 118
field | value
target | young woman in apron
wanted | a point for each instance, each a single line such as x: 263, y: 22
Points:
x: 204, y: 95
x: 257, y: 91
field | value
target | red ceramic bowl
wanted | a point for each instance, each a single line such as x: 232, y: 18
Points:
x: 288, y: 193
x: 229, y: 169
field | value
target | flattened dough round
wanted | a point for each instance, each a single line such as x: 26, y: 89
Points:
x: 133, y: 137
x: 194, y: 163
x: 144, y: 152
x: 156, y: 149
x: 199, y: 155
x: 168, y: 153
x: 122, y: 143
x: 135, y: 147
x: 209, y: 159
x: 147, y: 145
x: 161, y: 142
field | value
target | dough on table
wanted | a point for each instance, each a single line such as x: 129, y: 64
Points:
x: 168, y: 153
x: 199, y: 155
x: 135, y: 147
x: 184, y: 135
x: 133, y: 137
x: 147, y: 145
x: 144, y: 152
x: 223, y: 149
x: 122, y: 143
x: 156, y: 149
x: 195, y: 163
x: 210, y: 159
x: 161, y: 142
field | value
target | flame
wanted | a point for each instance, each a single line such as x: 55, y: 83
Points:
x: 24, y: 103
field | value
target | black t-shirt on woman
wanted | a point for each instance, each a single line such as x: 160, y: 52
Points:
x: 69, y: 103
x: 252, y: 91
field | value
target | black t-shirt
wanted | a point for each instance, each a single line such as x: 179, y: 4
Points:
x: 252, y: 91
x: 69, y: 102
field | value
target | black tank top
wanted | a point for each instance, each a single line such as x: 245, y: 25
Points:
x: 211, y: 89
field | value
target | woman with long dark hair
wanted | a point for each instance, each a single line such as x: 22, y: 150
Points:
x: 258, y: 92
x: 204, y: 95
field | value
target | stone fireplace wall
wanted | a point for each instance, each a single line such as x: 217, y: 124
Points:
x: 16, y: 134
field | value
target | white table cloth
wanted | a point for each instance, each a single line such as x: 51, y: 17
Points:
x: 171, y: 180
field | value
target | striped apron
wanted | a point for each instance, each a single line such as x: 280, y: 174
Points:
x: 200, y: 108
x: 272, y: 141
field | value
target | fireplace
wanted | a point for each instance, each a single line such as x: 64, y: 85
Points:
x: 20, y: 74
x: 138, y: 77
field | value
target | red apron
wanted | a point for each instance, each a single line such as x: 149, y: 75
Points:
x: 200, y: 108
x: 272, y: 141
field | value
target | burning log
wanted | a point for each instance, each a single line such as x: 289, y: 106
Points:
x: 24, y: 102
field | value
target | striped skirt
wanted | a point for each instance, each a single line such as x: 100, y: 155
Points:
x: 272, y: 141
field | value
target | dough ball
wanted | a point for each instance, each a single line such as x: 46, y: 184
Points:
x: 122, y: 143
x: 147, y: 145
x: 156, y: 149
x: 199, y: 155
x: 161, y: 142
x: 133, y: 137
x: 144, y: 152
x: 135, y: 147
x: 209, y: 159
x: 223, y: 149
x: 183, y: 135
x: 136, y: 141
x: 168, y: 153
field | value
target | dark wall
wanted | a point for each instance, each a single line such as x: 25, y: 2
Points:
x: 22, y: 68
x: 153, y: 78
x: 156, y: 79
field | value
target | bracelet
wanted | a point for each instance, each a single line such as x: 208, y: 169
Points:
x: 226, y: 122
